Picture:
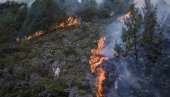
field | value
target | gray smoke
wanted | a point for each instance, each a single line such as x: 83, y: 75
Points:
x: 113, y: 34
x: 163, y: 6
x: 99, y: 1
x: 113, y: 31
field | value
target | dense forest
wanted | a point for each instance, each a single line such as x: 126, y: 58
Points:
x: 84, y: 48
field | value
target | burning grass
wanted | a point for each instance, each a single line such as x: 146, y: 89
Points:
x: 96, y: 59
x: 71, y: 21
x: 68, y: 47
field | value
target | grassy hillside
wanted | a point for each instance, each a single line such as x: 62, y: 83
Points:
x: 27, y: 68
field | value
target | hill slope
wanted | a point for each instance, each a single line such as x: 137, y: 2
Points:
x: 27, y: 68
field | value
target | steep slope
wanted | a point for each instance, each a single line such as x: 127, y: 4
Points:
x: 27, y: 68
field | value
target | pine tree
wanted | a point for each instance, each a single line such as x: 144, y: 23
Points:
x: 131, y: 35
x: 152, y: 35
x: 142, y: 37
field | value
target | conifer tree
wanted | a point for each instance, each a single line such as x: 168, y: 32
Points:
x: 131, y: 35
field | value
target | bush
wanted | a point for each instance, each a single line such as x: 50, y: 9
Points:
x: 104, y: 12
x: 11, y: 19
x: 47, y: 87
x: 42, y: 15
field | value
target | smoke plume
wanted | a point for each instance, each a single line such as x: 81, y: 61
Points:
x: 163, y: 6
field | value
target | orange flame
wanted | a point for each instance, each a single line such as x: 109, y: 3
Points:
x: 36, y: 34
x: 96, y: 59
x: 99, y: 82
x: 124, y: 17
x: 71, y: 21
x: 61, y: 25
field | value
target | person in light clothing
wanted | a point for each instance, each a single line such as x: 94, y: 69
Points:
x: 56, y: 72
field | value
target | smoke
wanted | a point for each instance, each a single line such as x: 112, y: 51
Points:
x: 99, y: 1
x: 79, y: 1
x: 113, y: 34
x: 126, y: 77
x: 163, y: 6
x: 28, y: 2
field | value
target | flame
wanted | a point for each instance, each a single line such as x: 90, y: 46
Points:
x: 99, y: 82
x: 71, y: 21
x: 36, y: 34
x: 39, y: 33
x: 124, y: 17
x: 96, y: 59
x: 61, y: 25
x: 29, y: 37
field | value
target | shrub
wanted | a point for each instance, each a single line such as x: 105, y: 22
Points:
x: 11, y: 19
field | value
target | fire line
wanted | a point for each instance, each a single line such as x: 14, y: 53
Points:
x: 71, y: 21
x: 96, y: 59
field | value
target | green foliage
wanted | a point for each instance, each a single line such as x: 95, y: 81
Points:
x: 152, y: 37
x: 104, y: 12
x: 11, y: 19
x: 42, y: 15
x: 49, y: 87
x: 142, y: 37
x: 70, y: 51
x: 131, y: 33
x: 88, y: 14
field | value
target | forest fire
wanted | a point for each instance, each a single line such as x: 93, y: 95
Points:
x: 36, y: 34
x: 71, y: 21
x: 99, y: 82
x: 124, y: 17
x: 96, y: 59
